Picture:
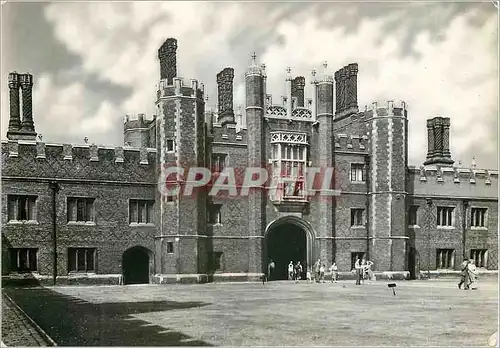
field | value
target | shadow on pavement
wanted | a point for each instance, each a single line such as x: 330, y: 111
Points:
x: 73, y: 322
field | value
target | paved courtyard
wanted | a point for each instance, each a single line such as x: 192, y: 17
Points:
x: 422, y: 313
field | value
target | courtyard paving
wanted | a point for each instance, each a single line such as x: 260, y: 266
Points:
x: 422, y: 313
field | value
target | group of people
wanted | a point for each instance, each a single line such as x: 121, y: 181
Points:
x: 363, y: 269
x: 468, y: 275
x: 318, y: 275
x: 295, y: 271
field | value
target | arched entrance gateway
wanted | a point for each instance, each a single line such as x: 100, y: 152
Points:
x: 288, y: 239
x: 137, y: 265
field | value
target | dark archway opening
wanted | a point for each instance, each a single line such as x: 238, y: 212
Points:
x: 136, y: 266
x: 286, y: 243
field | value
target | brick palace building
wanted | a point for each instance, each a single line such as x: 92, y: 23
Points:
x: 100, y: 209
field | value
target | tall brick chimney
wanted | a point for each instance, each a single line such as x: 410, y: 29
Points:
x: 298, y: 85
x: 167, y: 54
x: 25, y: 129
x: 438, y: 142
x: 27, y: 89
x: 15, y: 117
x: 346, y: 85
x: 225, y: 96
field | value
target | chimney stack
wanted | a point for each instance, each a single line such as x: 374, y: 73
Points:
x: 25, y: 129
x: 438, y: 142
x: 15, y: 116
x: 298, y: 85
x: 167, y: 54
x: 27, y: 89
x: 346, y: 86
x: 225, y: 96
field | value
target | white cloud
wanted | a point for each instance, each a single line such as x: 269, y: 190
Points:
x: 455, y: 76
x: 66, y: 110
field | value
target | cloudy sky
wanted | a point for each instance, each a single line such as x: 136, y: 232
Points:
x: 95, y: 62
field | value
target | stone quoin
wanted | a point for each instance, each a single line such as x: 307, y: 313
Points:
x: 102, y: 214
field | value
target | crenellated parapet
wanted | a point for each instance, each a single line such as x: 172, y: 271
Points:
x: 23, y: 158
x: 454, y: 181
x: 139, y: 131
x: 392, y: 109
x: 180, y: 88
x: 354, y: 143
x: 138, y: 121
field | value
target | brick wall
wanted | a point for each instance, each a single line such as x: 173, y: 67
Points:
x: 111, y: 232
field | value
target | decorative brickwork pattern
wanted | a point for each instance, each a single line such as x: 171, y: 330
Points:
x: 168, y: 60
x: 27, y: 88
x: 298, y: 85
x: 225, y: 96
x: 15, y: 118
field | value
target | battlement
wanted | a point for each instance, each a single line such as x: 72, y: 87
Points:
x: 392, y: 109
x: 355, y: 143
x: 74, y: 161
x: 453, y: 181
x: 229, y: 133
x: 138, y: 121
x: 179, y: 88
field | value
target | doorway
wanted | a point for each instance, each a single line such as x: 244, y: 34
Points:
x: 284, y: 243
x: 136, y: 265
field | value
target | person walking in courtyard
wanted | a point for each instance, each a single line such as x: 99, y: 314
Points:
x: 363, y: 271
x: 298, y: 271
x: 270, y: 270
x: 334, y: 271
x: 368, y: 270
x: 464, y: 275
x: 472, y: 275
x: 290, y: 270
x: 317, y: 267
x: 322, y: 273
x: 357, y: 267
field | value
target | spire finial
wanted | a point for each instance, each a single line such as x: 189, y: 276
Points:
x: 325, y: 65
x: 288, y: 70
x: 254, y: 56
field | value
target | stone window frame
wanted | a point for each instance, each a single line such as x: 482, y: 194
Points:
x: 414, y: 208
x: 78, y: 252
x: 91, y: 200
x: 363, y: 173
x: 13, y: 208
x: 363, y: 220
x: 149, y: 206
x: 15, y: 258
x: 445, y: 257
x: 218, y: 220
x: 225, y: 163
x: 479, y: 254
x: 289, y: 171
x: 453, y: 217
x: 172, y: 150
x: 170, y: 247
x: 485, y: 218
